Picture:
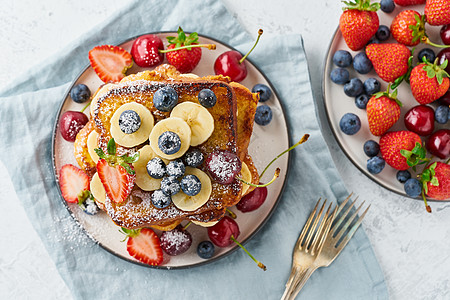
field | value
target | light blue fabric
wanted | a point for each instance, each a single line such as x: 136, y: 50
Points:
x: 28, y: 113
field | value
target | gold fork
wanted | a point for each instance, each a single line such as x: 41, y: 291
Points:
x: 333, y: 243
x: 308, y: 246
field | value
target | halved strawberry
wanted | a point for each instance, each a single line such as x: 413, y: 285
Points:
x: 117, y: 182
x: 72, y: 182
x: 144, y: 245
x: 110, y: 62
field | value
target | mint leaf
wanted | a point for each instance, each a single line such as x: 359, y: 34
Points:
x: 111, y: 147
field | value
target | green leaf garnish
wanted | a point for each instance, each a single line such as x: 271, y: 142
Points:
x: 111, y: 147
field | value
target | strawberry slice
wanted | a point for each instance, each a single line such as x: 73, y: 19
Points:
x: 144, y: 245
x: 117, y: 182
x: 72, y: 182
x: 110, y: 62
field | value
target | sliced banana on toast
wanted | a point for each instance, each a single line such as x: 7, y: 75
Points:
x: 174, y: 125
x: 92, y: 144
x: 246, y: 175
x: 143, y: 180
x: 191, y: 203
x: 97, y: 189
x: 198, y: 118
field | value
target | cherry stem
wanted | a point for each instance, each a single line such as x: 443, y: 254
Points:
x: 427, y: 41
x: 187, y: 225
x: 89, y: 103
x: 275, y: 176
x: 302, y: 140
x: 260, y: 264
x: 260, y: 32
x: 209, y: 46
x: 232, y: 214
x: 427, y: 207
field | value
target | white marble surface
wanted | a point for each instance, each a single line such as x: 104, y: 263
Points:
x: 411, y: 245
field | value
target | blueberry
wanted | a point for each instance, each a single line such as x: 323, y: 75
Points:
x: 207, y: 98
x: 205, y: 249
x: 428, y: 54
x: 362, y: 64
x: 129, y: 121
x: 371, y: 148
x: 89, y: 206
x: 342, y: 58
x: 383, y: 33
x: 340, y: 76
x: 80, y: 93
x: 354, y: 87
x: 373, y: 40
x: 165, y: 98
x: 442, y: 114
x: 387, y: 6
x: 403, y: 176
x: 371, y: 86
x: 194, y: 158
x: 170, y: 185
x: 413, y: 187
x: 361, y: 101
x: 160, y: 200
x: 263, y: 115
x: 263, y: 90
x: 375, y: 164
x: 156, y: 168
x: 191, y: 185
x: 176, y: 168
x: 350, y: 123
x: 169, y: 142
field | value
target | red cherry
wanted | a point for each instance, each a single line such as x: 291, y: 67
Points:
x: 420, y: 119
x: 220, y: 234
x: 445, y: 34
x: 252, y: 200
x: 231, y: 63
x: 443, y: 55
x: 439, y: 143
x: 445, y: 99
x: 145, y: 51
x: 71, y: 123
x: 223, y: 166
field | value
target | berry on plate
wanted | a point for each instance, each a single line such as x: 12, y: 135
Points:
x: 71, y: 123
x: 420, y: 119
x: 359, y: 22
x: 263, y: 90
x: 350, y: 124
x: 361, y: 101
x: 427, y: 54
x: 340, y: 76
x: 437, y: 12
x: 371, y: 86
x: 408, y: 27
x: 387, y: 6
x: 429, y: 82
x: 176, y: 241
x: 145, y: 50
x: 80, y: 93
x: 362, y: 64
x: 413, y: 187
x: 342, y: 58
x: 390, y: 61
x: 144, y: 245
x: 371, y: 148
x: 110, y: 62
x: 72, y: 182
x: 354, y: 87
x: 436, y: 181
x: 375, y: 164
x: 263, y: 115
x: 438, y: 143
x: 402, y: 149
x: 383, y: 33
x: 403, y: 175
x: 205, y: 249
x: 442, y: 114
x: 383, y: 111
x: 409, y: 2
x: 252, y: 200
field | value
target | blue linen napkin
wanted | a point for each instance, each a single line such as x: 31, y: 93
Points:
x: 28, y: 113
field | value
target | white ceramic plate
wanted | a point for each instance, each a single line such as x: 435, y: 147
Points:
x: 103, y: 231
x: 337, y: 104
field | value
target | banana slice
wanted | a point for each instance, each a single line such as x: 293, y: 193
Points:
x: 247, y: 176
x: 97, y: 189
x: 92, y: 144
x: 100, y: 92
x: 198, y: 118
x: 205, y: 224
x: 190, y: 203
x: 135, y: 138
x: 177, y: 125
x: 143, y: 180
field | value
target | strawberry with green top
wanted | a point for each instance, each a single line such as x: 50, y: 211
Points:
x: 116, y: 172
x: 144, y: 245
x: 184, y: 51
x: 402, y: 149
x: 383, y: 111
x: 436, y: 181
x: 437, y: 12
x: 390, y: 61
x: 429, y: 81
x: 359, y: 22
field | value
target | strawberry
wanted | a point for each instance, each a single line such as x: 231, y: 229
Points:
x: 110, y: 62
x: 383, y: 111
x: 116, y: 172
x: 436, y: 181
x: 409, y: 2
x: 408, y: 27
x: 390, y: 61
x: 438, y: 12
x: 144, y: 245
x: 402, y: 149
x: 184, y: 52
x: 359, y: 22
x: 428, y: 82
x: 72, y: 181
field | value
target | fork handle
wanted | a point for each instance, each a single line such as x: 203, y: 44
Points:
x: 296, y: 281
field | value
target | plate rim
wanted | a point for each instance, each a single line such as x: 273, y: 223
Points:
x: 162, y: 267
x: 335, y: 135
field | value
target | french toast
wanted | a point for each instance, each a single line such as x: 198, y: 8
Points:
x: 233, y: 125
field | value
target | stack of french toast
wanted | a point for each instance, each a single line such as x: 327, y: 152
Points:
x: 226, y: 126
